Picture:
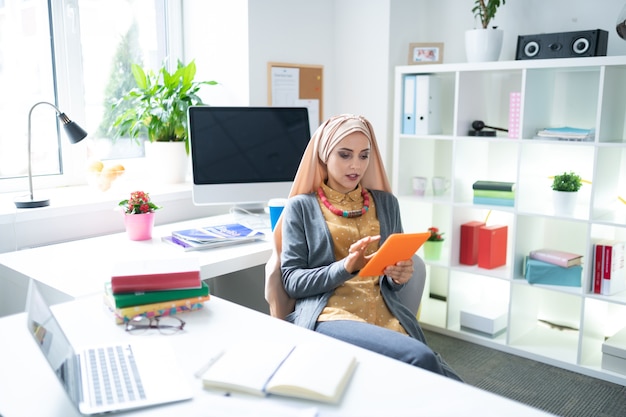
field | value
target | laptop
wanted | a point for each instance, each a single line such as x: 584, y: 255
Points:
x: 105, y: 379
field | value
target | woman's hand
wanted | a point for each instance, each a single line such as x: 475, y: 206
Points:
x: 356, y: 259
x: 401, y: 272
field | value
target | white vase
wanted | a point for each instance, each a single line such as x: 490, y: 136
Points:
x: 168, y: 162
x: 483, y: 45
x: 564, y: 202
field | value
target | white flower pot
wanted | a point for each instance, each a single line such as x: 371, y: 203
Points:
x: 483, y: 45
x: 168, y: 161
x: 564, y: 202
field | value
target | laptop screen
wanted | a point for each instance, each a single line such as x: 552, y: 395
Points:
x: 52, y: 341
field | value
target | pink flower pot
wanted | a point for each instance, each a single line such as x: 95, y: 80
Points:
x: 139, y: 226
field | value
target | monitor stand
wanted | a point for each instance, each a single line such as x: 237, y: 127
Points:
x: 253, y: 215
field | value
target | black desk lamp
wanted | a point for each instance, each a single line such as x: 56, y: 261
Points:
x: 74, y: 133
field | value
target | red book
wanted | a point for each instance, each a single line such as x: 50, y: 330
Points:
x: 469, y: 242
x: 597, y: 271
x: 155, y: 275
x: 556, y: 257
x: 492, y: 241
x: 613, y: 268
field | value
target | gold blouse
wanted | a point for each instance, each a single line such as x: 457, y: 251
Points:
x: 358, y: 298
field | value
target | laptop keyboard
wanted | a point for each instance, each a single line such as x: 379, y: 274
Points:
x: 114, y: 376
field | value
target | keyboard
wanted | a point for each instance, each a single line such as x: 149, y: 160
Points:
x: 113, y: 376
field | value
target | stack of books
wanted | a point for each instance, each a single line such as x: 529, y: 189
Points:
x: 498, y: 193
x: 567, y: 133
x: 212, y: 236
x: 553, y: 267
x: 609, y: 274
x: 152, y: 288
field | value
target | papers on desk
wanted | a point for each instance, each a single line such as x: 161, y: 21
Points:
x: 212, y: 236
x: 309, y: 371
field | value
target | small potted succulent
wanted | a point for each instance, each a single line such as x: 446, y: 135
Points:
x: 565, y: 188
x: 434, y: 244
x: 138, y: 215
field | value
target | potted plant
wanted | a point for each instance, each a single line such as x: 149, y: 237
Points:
x: 434, y: 244
x: 158, y: 112
x: 484, y: 44
x: 565, y: 188
x: 138, y: 215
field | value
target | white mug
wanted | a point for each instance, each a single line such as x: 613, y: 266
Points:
x: 419, y: 185
x: 440, y: 185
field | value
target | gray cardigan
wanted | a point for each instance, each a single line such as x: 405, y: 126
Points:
x: 310, y: 272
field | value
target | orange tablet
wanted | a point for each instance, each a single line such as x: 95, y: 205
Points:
x: 397, y: 247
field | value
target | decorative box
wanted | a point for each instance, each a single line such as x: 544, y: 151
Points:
x: 539, y: 272
x: 614, y: 352
x: 492, y: 246
x: 489, y: 321
x: 469, y: 243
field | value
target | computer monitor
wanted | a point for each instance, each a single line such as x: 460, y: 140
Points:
x: 245, y: 156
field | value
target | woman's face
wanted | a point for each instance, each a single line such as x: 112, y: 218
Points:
x: 347, y: 162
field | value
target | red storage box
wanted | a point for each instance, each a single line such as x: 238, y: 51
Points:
x: 469, y: 243
x: 492, y: 246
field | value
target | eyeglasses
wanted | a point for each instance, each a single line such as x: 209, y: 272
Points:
x: 165, y: 324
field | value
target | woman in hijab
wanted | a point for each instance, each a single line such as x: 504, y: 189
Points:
x: 340, y: 209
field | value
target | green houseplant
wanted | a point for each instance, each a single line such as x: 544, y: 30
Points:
x: 159, y: 103
x: 567, y: 181
x: 483, y: 45
x: 565, y: 187
x: 486, y: 10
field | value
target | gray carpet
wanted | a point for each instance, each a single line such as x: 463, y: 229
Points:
x: 542, y: 386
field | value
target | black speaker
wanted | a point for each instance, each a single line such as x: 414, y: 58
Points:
x: 562, y: 45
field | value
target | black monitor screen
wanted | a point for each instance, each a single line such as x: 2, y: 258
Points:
x: 235, y: 145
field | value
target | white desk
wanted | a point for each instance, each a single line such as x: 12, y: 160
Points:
x: 380, y: 386
x: 78, y: 268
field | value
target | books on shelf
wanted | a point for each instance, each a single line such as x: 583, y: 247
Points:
x: 165, y: 308
x: 494, y: 185
x: 556, y: 257
x: 567, y: 133
x: 212, y: 236
x: 155, y: 274
x: 508, y: 195
x: 150, y: 297
x: 261, y: 367
x: 609, y: 270
x: 540, y: 272
x: 494, y: 201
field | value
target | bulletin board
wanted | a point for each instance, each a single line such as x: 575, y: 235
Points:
x: 296, y: 85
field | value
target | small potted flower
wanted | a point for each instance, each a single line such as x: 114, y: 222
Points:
x: 432, y: 247
x: 139, y: 215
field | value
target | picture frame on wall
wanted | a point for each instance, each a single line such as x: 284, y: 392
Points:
x: 425, y: 53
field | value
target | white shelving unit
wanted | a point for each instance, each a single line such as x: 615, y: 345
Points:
x: 577, y: 92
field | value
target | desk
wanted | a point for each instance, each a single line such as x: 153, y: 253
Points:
x: 379, y: 386
x: 81, y: 267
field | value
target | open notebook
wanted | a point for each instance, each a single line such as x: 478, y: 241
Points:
x: 312, y: 371
x: 104, y: 379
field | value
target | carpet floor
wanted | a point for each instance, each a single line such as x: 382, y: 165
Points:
x: 555, y: 390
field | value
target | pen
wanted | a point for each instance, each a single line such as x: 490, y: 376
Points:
x: 207, y: 365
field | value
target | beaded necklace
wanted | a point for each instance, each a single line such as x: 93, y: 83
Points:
x: 346, y: 213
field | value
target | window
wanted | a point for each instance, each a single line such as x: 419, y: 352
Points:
x: 83, y: 68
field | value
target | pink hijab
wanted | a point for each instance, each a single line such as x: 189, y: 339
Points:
x: 311, y: 174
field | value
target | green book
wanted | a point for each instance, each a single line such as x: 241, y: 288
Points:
x: 149, y: 297
x: 509, y: 195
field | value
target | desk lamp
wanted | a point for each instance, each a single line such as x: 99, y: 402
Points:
x: 74, y: 133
